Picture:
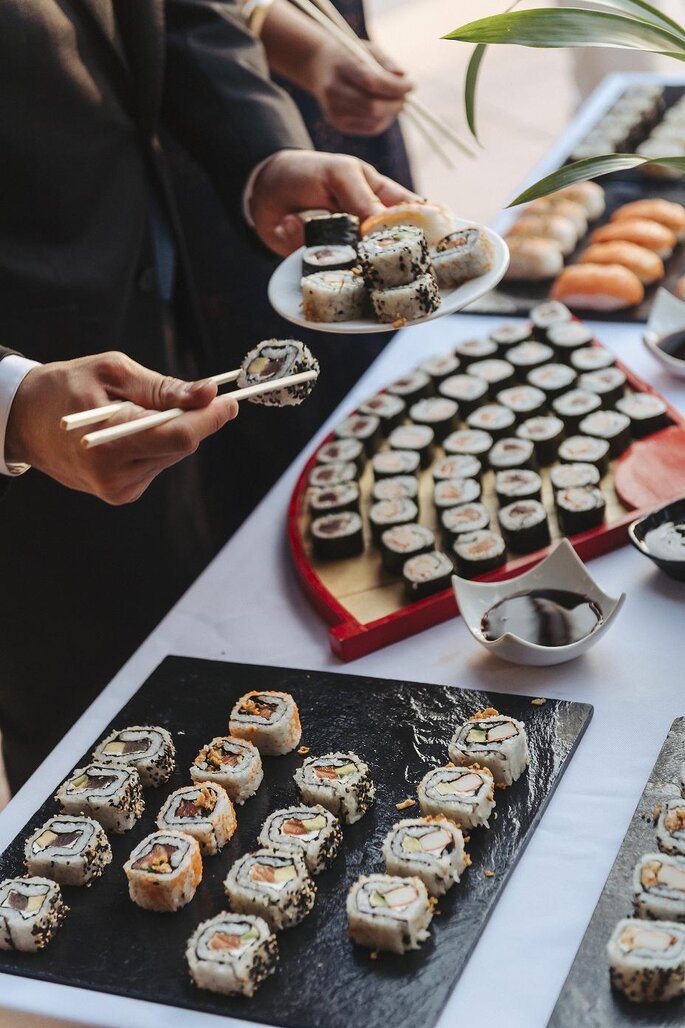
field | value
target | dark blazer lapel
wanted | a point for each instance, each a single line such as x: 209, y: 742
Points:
x: 101, y: 15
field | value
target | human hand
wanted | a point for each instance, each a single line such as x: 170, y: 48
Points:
x: 300, y: 180
x: 118, y: 472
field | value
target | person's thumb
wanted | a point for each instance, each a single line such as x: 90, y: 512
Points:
x: 160, y: 392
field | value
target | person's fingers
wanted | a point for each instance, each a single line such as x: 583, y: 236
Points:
x: 153, y: 391
x: 178, y: 437
x: 386, y: 189
x: 289, y: 234
x: 352, y: 190
x: 374, y: 81
x: 388, y: 63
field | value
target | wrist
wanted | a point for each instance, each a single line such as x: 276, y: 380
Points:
x: 18, y: 446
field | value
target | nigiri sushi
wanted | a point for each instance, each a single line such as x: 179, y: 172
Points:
x: 647, y: 265
x: 667, y: 213
x: 533, y: 258
x: 647, y: 233
x: 436, y: 220
x: 599, y: 287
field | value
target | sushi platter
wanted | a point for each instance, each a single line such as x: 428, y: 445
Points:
x: 358, y: 587
x: 587, y: 997
x: 401, y: 732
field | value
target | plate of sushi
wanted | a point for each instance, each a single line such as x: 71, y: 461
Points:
x: 267, y: 819
x: 410, y: 264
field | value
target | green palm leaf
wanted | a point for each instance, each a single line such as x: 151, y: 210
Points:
x: 470, y: 83
x: 649, y: 13
x: 591, y: 167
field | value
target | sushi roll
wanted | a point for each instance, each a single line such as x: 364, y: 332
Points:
x: 592, y: 358
x: 331, y: 229
x: 524, y: 526
x: 340, y: 782
x: 608, y: 425
x: 457, y: 521
x: 403, y: 487
x: 464, y: 466
x: 232, y: 954
x: 493, y: 741
x: 203, y: 811
x: 584, y: 449
x: 533, y: 258
x: 466, y: 390
x: 545, y: 432
x: 573, y: 476
x: 164, y: 871
x: 326, y: 476
x: 465, y: 795
x: 388, y: 513
x: 274, y: 359
x: 573, y: 406
x: 412, y: 387
x: 429, y: 848
x: 568, y: 336
x: 529, y: 355
x: 420, y: 438
x: 335, y: 499
x: 608, y: 383
x: 470, y: 350
x: 438, y: 413
x: 647, y: 961
x: 670, y: 828
x: 435, y: 219
x: 234, y: 764
x: 389, y: 409
x: 388, y: 912
x: 391, y: 463
x: 271, y: 883
x: 31, y: 912
x: 71, y: 850
x: 333, y: 296
x: 311, y: 831
x: 427, y: 574
x: 337, y: 536
x: 401, y: 542
x: 498, y: 374
x: 524, y: 400
x: 334, y: 257
x: 509, y: 335
x: 517, y: 484
x: 441, y: 367
x: 479, y: 552
x: 511, y: 453
x: 647, y: 412
x: 365, y: 427
x: 552, y: 379
x: 341, y: 451
x: 415, y: 300
x: 268, y: 719
x: 150, y: 750
x: 393, y: 258
x: 462, y: 256
x: 579, y: 508
x: 468, y: 442
x: 547, y: 314
x: 493, y: 418
x: 659, y: 887
x: 111, y: 795
x: 450, y: 492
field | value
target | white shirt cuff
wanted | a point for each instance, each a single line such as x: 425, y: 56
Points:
x: 13, y: 370
x: 249, y: 189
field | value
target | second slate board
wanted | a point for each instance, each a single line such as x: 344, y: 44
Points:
x: 586, y: 998
x: 401, y: 729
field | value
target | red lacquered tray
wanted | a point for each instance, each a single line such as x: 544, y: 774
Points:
x: 365, y: 607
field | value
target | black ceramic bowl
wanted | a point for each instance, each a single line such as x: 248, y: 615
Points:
x: 673, y: 511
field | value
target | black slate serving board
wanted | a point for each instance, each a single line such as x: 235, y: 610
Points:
x: 586, y: 998
x: 401, y: 729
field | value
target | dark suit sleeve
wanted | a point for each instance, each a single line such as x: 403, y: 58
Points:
x: 4, y: 480
x: 219, y: 100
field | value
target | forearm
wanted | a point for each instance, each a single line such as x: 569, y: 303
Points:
x: 292, y: 42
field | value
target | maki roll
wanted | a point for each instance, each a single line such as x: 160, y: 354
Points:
x: 341, y: 451
x: 203, y: 811
x: 364, y: 427
x: 552, y: 312
x: 608, y: 425
x: 498, y: 374
x: 451, y: 492
x: 573, y: 406
x: 334, y: 499
x: 311, y: 831
x: 234, y: 764
x: 268, y: 719
x: 647, y: 961
x: 517, y: 484
x: 442, y: 367
x: 388, y: 513
x: 509, y: 335
x: 608, y: 383
x: 592, y: 358
x: 272, y: 883
x: 71, y: 850
x: 528, y: 355
x: 479, y: 552
x: 464, y: 466
x: 659, y: 887
x: 498, y: 421
x: 429, y: 848
x: 333, y: 296
x: 438, y: 413
x: 573, y: 476
x: 274, y: 359
x: 567, y: 337
x: 387, y: 912
x: 409, y: 302
x: 388, y: 408
x: 335, y: 229
x: 164, y: 871
x: 461, y: 256
x: 524, y: 400
x: 545, y: 432
x: 427, y: 574
x: 585, y: 450
x: 468, y: 442
x: 232, y: 954
x: 149, y: 750
x: 420, y: 438
x: 670, y: 829
x: 412, y: 387
x: 31, y: 912
x: 403, y: 487
x: 395, y: 257
x: 112, y: 795
x: 337, y: 536
x: 494, y: 741
x: 510, y: 453
x: 466, y: 390
x: 469, y: 517
x: 647, y: 413
x: 328, y: 258
x: 579, y: 508
x: 552, y: 379
x: 524, y: 526
x: 340, y: 782
x: 401, y: 542
x: 391, y: 463
x: 326, y: 476
x: 470, y: 350
x: 465, y: 795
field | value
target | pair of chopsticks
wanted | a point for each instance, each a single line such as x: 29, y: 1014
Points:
x: 329, y: 18
x: 107, y: 435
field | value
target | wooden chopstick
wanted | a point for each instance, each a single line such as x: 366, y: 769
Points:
x: 107, y: 435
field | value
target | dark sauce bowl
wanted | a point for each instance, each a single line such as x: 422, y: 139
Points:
x: 673, y: 511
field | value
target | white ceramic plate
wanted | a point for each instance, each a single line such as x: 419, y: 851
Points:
x: 285, y: 294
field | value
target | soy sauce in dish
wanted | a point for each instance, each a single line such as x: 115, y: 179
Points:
x: 674, y: 345
x: 547, y: 617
